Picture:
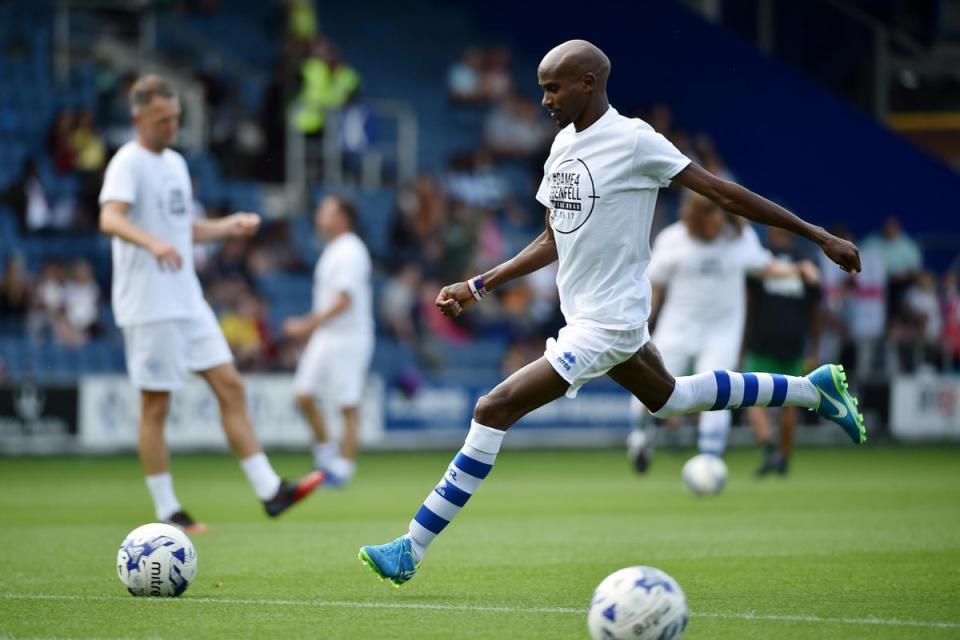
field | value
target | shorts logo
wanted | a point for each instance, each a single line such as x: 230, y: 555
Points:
x: 567, y: 360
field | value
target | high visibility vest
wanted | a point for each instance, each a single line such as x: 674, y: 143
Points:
x: 323, y: 89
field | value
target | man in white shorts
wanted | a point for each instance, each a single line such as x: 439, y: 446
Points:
x: 168, y: 327
x: 600, y: 187
x: 333, y: 367
x: 698, y: 270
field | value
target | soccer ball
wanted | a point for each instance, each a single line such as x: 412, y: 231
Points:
x: 640, y: 603
x: 705, y: 474
x: 156, y: 560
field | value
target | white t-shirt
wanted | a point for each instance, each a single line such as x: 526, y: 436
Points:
x: 600, y: 185
x: 706, y: 281
x: 344, y: 266
x: 157, y: 188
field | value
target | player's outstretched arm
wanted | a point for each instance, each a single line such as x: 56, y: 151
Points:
x: 741, y: 201
x: 237, y: 225
x: 454, y: 298
x: 300, y: 327
x: 114, y: 221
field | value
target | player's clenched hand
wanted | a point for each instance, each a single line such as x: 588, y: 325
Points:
x: 242, y: 224
x: 297, y: 328
x: 167, y: 255
x: 843, y: 252
x: 454, y: 298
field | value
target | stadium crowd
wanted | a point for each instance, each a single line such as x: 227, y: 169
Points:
x: 474, y: 213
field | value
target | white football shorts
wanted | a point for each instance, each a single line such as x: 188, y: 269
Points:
x: 580, y: 353
x: 161, y: 354
x: 334, y: 367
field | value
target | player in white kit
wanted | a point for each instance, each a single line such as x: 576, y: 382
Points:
x: 698, y: 269
x: 168, y: 328
x: 333, y: 367
x: 600, y: 186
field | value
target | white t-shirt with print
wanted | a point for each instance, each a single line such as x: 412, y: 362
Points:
x: 705, y: 281
x: 157, y: 188
x: 344, y: 266
x: 601, y: 185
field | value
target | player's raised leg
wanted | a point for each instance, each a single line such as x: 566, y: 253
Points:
x: 529, y: 388
x: 276, y: 494
x: 823, y: 390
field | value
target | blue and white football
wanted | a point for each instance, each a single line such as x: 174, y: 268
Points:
x: 639, y: 603
x: 157, y: 560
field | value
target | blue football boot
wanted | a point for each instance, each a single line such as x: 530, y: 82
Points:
x: 836, y: 404
x: 392, y: 561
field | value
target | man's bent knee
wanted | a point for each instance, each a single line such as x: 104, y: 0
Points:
x: 304, y: 401
x: 493, y: 411
x: 229, y: 387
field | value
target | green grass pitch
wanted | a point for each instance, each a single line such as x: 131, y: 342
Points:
x: 859, y: 542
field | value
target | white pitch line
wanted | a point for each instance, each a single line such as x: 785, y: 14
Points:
x: 748, y: 615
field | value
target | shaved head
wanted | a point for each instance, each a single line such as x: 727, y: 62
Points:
x: 573, y: 76
x: 577, y: 58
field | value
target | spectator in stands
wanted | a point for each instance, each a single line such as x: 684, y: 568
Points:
x: 518, y: 128
x: 463, y: 78
x: 81, y: 304
x: 398, y: 303
x: 901, y: 258
x: 496, y: 81
x: 327, y: 83
x: 15, y: 291
x: 88, y: 150
x: 245, y: 330
x: 835, y: 285
x: 471, y: 178
x: 865, y: 316
x: 301, y: 20
x: 951, y: 320
x: 921, y: 340
x: 47, y: 302
x: 58, y: 141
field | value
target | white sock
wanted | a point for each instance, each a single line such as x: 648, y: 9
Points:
x: 716, y: 390
x: 324, y: 452
x: 713, y: 430
x: 469, y: 467
x: 342, y: 468
x: 261, y: 475
x: 165, y: 502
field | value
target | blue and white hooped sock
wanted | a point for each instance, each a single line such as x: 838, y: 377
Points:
x: 716, y: 390
x: 470, y: 466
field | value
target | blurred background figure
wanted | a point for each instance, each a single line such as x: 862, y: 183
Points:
x: 782, y: 334
x: 698, y: 269
x: 333, y: 367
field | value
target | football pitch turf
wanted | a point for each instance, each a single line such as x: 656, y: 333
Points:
x: 859, y: 542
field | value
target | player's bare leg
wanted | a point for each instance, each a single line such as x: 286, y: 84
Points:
x: 645, y: 376
x: 529, y: 388
x: 324, y: 451
x: 150, y: 441
x: 227, y: 386
x: 789, y: 416
x: 313, y: 416
x: 275, y: 494
x: 351, y: 425
x: 155, y: 458
x: 760, y: 425
x: 339, y: 461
